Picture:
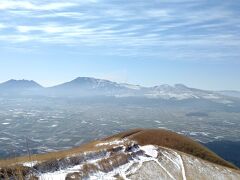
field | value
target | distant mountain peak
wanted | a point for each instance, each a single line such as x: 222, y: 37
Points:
x: 85, y: 86
x: 13, y: 83
x: 89, y: 87
x: 89, y: 79
x: 84, y: 78
x: 181, y: 86
x: 163, y: 86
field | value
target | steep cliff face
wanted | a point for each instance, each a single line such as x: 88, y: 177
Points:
x: 120, y: 157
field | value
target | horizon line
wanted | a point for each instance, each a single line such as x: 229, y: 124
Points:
x: 24, y: 79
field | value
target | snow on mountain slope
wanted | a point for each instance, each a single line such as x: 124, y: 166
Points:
x: 125, y: 159
x: 182, y: 92
x: 87, y: 86
x: 129, y: 155
x: 88, y: 83
x: 131, y: 86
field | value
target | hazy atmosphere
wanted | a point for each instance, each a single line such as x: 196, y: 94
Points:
x: 119, y: 89
x: 191, y: 42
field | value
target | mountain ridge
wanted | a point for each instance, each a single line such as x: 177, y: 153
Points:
x: 178, y: 85
x: 13, y: 83
x: 88, y: 86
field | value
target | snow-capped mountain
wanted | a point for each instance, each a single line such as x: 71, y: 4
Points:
x: 181, y: 92
x: 83, y: 86
x: 87, y: 82
x: 86, y: 86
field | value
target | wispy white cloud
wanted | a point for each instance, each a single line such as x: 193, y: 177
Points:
x: 2, y: 26
x: 136, y: 27
x: 42, y: 28
x: 29, y: 5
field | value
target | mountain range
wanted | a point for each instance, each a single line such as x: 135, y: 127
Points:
x: 88, y: 87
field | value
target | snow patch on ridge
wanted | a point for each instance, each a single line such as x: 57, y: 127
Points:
x: 150, y: 150
x: 29, y: 164
x: 128, y: 160
x: 59, y: 175
x: 115, y: 142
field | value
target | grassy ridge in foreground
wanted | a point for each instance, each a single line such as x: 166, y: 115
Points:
x: 143, y: 137
x: 172, y: 140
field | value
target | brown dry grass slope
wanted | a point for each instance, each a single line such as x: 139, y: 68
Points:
x: 142, y: 136
x: 172, y: 140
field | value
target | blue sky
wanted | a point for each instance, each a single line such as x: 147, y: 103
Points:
x: 194, y: 42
